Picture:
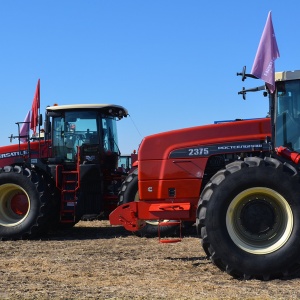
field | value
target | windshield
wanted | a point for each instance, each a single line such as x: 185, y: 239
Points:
x: 72, y: 130
x: 76, y: 128
x: 287, y: 119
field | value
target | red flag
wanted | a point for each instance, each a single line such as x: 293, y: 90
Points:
x: 25, y: 128
x: 267, y: 52
x: 35, y: 108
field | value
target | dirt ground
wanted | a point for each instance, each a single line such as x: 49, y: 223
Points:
x: 94, y: 260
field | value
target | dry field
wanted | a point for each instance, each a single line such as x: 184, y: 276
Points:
x: 94, y: 260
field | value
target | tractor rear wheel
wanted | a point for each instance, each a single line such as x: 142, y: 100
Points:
x: 23, y: 204
x: 129, y: 193
x: 248, y: 219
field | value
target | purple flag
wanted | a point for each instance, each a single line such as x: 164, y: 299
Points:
x: 25, y: 128
x: 267, y: 52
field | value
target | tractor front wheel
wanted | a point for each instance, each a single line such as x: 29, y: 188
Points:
x: 248, y: 220
x: 23, y: 207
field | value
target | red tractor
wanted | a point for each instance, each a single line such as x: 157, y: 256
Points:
x: 65, y: 175
x: 246, y: 206
x: 173, y: 169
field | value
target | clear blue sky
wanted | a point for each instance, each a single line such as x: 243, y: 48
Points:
x: 171, y: 63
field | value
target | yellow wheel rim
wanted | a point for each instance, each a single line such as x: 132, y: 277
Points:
x: 14, y: 204
x: 259, y: 220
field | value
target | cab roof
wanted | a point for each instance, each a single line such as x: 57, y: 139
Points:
x: 287, y: 75
x: 112, y: 109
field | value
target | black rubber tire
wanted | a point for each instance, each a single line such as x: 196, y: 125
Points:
x: 33, y: 220
x: 129, y: 193
x: 248, y: 219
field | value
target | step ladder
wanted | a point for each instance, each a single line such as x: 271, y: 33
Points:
x: 69, y: 187
x: 173, y: 239
x: 68, y: 182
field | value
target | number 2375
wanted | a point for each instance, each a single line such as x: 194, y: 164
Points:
x: 198, y: 151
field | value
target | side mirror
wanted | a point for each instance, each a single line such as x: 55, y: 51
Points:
x: 40, y: 119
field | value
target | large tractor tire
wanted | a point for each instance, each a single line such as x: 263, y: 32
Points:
x: 23, y: 204
x: 129, y: 193
x: 248, y: 219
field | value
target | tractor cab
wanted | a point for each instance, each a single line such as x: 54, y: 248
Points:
x: 88, y: 128
x: 83, y: 157
x: 287, y: 110
x: 284, y: 108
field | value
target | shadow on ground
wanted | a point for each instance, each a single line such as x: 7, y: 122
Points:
x: 97, y: 231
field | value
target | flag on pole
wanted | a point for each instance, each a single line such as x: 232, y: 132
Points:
x: 24, y: 132
x: 35, y: 108
x: 267, y: 52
